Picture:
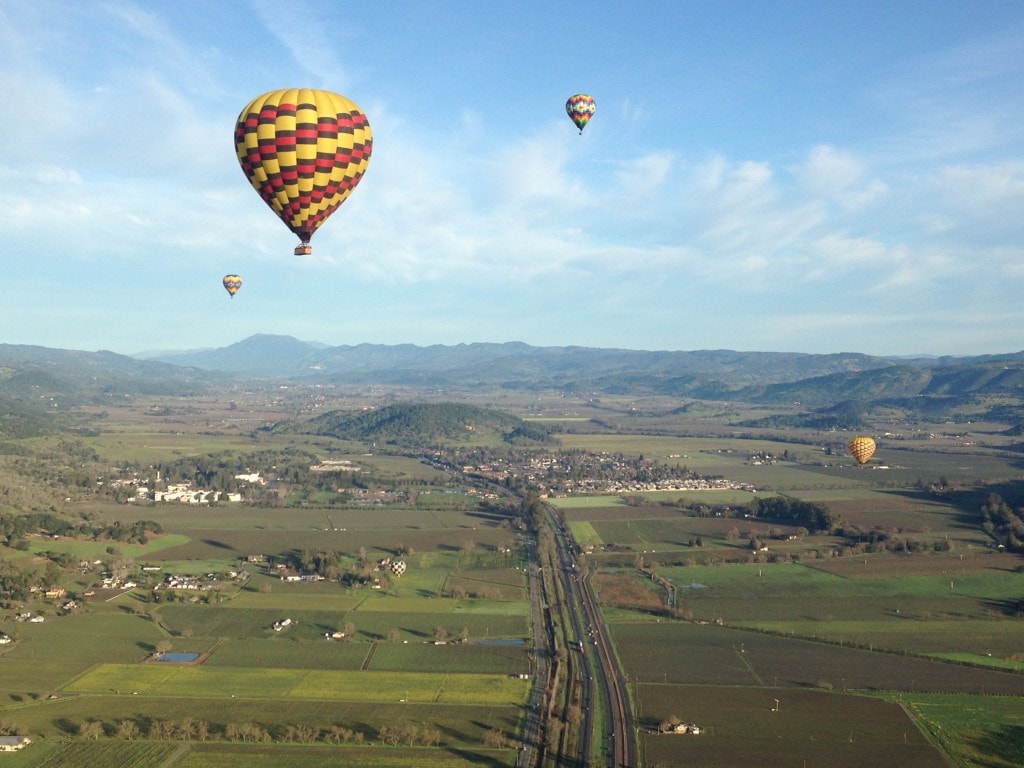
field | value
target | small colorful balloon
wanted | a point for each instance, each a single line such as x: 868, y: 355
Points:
x: 862, y: 448
x: 232, y: 283
x: 580, y: 109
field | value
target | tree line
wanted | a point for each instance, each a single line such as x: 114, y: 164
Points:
x: 189, y: 729
x: 15, y: 527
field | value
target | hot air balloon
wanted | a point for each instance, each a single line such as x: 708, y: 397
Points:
x: 304, y: 151
x: 580, y: 109
x: 232, y: 283
x: 861, y: 448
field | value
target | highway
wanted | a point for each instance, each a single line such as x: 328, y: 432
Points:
x: 606, y: 698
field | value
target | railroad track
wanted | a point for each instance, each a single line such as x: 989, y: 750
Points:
x: 618, y: 732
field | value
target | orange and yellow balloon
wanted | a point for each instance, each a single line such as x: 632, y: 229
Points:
x: 861, y: 448
x: 303, y: 150
x: 580, y: 109
x: 231, y: 284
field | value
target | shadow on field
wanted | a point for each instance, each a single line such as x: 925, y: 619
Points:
x: 1011, y: 608
x: 969, y: 501
x: 967, y: 504
x: 1000, y: 748
x: 475, y: 757
x: 217, y: 544
x: 451, y: 733
x: 490, y: 517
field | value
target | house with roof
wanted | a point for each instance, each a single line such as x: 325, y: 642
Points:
x: 13, y: 743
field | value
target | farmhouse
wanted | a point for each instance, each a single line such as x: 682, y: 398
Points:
x: 13, y: 743
x: 684, y: 728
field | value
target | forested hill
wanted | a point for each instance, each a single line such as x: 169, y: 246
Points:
x: 1004, y: 376
x: 56, y: 378
x: 18, y: 420
x: 422, y: 424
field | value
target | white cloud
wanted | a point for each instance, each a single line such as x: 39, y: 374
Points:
x: 839, y: 176
x: 981, y: 186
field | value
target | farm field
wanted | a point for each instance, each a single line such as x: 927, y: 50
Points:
x: 216, y: 755
x: 934, y: 634
x: 773, y: 727
x: 682, y: 652
x: 974, y: 730
x: 171, y: 680
x: 57, y: 721
x: 812, y: 649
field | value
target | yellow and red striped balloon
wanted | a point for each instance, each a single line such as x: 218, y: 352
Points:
x: 303, y: 150
x: 861, y: 448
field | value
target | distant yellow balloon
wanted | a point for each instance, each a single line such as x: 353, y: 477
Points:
x: 862, y: 448
x: 304, y: 150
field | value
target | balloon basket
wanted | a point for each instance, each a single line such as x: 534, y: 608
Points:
x: 303, y: 250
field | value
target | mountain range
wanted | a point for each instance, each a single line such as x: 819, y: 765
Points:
x: 31, y: 373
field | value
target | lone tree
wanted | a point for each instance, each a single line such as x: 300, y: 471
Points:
x: 669, y: 724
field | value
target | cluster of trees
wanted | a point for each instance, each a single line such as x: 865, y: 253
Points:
x: 8, y: 728
x: 16, y: 583
x: 409, y: 734
x: 14, y: 528
x: 700, y: 509
x: 1004, y: 524
x: 498, y: 739
x: 331, y: 566
x: 880, y: 539
x: 190, y: 728
x: 805, y: 514
x: 531, y: 512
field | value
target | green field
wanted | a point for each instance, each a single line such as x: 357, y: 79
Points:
x: 812, y: 651
x: 975, y: 730
x: 172, y: 680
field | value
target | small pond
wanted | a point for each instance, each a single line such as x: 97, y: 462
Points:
x: 177, y: 658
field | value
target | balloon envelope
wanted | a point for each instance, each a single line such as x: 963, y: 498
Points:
x: 232, y: 283
x: 862, y: 448
x: 580, y: 109
x: 303, y: 150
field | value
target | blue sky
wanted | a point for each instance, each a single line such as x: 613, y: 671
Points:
x: 775, y: 176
